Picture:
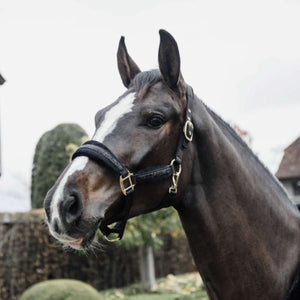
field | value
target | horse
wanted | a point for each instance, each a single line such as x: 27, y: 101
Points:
x: 242, y: 228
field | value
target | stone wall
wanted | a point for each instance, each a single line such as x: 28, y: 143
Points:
x: 28, y: 254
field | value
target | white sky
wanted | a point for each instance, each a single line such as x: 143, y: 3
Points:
x: 59, y: 58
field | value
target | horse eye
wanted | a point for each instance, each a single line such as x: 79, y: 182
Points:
x: 155, y: 121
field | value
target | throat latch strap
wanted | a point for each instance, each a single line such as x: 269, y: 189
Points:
x: 103, y: 156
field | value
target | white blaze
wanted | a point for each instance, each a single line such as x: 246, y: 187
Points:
x: 109, y: 123
x: 112, y: 116
x: 78, y: 164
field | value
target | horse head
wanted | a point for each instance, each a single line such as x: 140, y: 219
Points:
x: 141, y: 128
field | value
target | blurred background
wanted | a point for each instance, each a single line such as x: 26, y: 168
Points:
x: 59, y: 62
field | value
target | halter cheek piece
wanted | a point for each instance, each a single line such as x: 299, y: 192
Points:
x: 103, y: 156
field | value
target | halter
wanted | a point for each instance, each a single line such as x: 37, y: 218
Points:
x: 103, y: 156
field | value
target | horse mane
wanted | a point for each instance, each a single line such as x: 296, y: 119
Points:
x: 231, y: 133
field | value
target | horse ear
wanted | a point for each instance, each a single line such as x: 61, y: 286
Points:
x: 169, y: 62
x: 128, y: 69
x: 2, y: 80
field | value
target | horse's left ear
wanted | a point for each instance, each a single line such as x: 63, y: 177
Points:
x: 169, y: 62
x: 128, y: 69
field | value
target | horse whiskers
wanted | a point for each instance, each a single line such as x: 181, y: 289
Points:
x: 92, y: 249
x: 60, y: 245
x: 98, y: 246
x: 85, y: 251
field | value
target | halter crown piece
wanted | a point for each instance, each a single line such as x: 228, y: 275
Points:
x: 100, y: 154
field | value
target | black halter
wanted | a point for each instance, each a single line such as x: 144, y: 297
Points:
x: 99, y: 153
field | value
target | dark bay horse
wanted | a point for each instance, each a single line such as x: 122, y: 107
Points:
x: 243, y: 230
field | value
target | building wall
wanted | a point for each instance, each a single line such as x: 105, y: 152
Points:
x: 288, y: 186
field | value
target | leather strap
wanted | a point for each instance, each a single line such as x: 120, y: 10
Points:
x: 188, y: 128
x: 99, y: 153
x: 119, y: 227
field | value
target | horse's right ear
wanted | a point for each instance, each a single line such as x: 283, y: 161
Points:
x: 169, y: 62
x: 128, y: 69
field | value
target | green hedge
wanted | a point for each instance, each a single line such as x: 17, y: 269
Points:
x: 52, y: 154
x: 61, y: 289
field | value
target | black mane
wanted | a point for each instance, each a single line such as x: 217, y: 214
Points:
x: 227, y: 129
x: 144, y: 80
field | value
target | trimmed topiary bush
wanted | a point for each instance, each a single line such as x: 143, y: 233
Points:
x: 52, y: 154
x: 61, y: 289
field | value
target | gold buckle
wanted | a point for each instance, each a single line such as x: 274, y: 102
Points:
x: 188, y: 134
x: 129, y: 187
x: 175, y: 178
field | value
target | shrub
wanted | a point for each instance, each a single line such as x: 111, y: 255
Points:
x: 61, y: 289
x: 52, y: 154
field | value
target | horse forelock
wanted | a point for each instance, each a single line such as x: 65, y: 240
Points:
x: 143, y: 81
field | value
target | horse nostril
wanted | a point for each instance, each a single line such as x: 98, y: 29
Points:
x: 71, y: 209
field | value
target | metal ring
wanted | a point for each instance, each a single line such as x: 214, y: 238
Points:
x: 175, y: 178
x: 179, y: 167
x: 188, y: 135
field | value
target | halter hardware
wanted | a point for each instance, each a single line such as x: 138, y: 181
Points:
x: 129, y: 188
x: 188, y: 130
x: 103, y: 156
x: 175, y: 178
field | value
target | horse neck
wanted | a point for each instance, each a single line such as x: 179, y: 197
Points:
x: 242, y: 228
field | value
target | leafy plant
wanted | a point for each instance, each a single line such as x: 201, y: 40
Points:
x: 145, y: 232
x: 52, y: 154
